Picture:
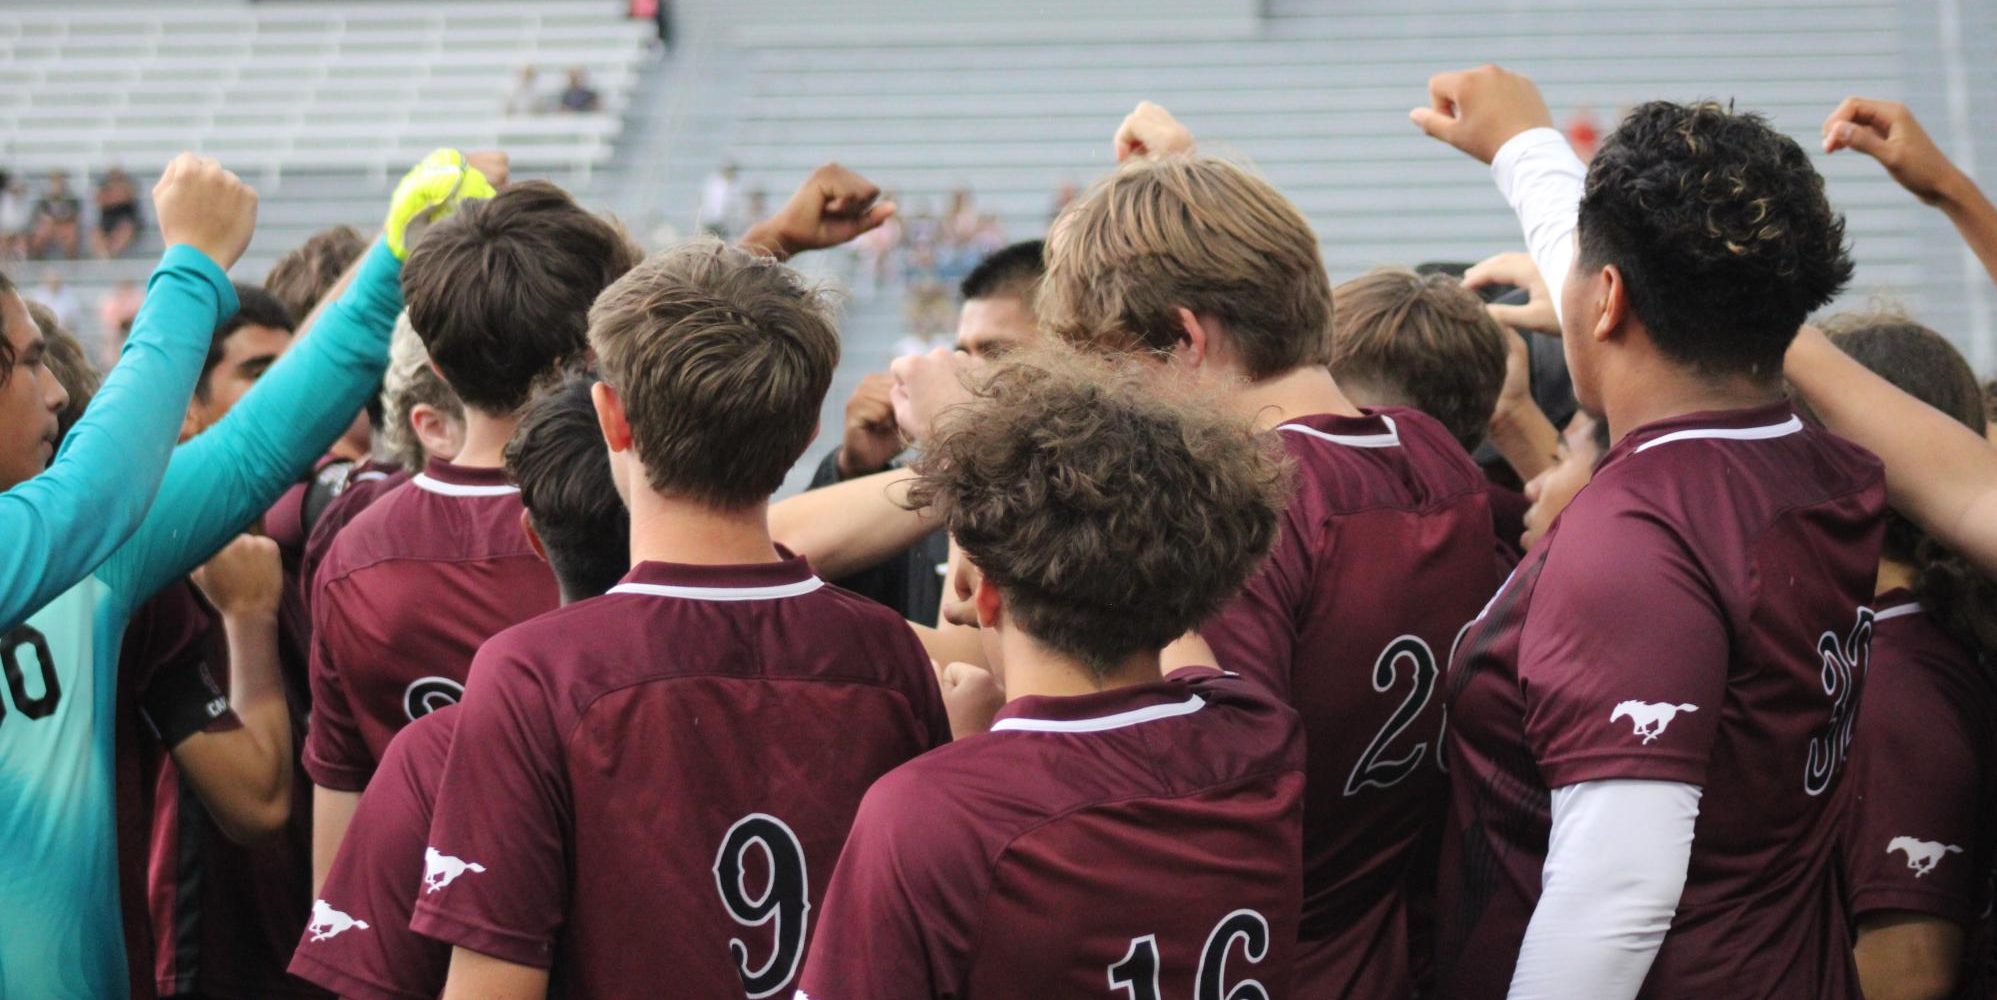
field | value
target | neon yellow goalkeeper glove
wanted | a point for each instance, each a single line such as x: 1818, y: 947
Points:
x: 429, y: 193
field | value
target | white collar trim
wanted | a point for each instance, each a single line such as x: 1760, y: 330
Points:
x: 771, y: 593
x: 1899, y: 611
x: 1118, y: 721
x: 424, y: 482
x: 1391, y: 439
x: 1787, y: 427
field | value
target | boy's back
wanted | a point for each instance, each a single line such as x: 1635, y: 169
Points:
x: 1134, y: 842
x: 654, y: 785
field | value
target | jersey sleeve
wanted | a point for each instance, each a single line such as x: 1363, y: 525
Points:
x: 164, y: 660
x: 1914, y: 828
x: 64, y: 523
x: 335, y: 754
x: 898, y: 919
x: 1255, y: 635
x: 360, y: 945
x: 496, y: 869
x: 1623, y: 657
x: 223, y: 478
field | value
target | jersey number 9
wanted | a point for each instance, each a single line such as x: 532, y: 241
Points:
x: 785, y: 899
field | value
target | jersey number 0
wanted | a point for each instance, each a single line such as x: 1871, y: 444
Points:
x: 17, y: 642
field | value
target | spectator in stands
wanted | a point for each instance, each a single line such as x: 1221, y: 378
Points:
x: 526, y: 98
x: 14, y: 217
x: 114, y: 318
x: 579, y: 96
x: 719, y: 200
x: 56, y: 219
x: 117, y: 214
x: 60, y: 300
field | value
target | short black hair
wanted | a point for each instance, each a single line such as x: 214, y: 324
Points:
x: 558, y: 460
x: 1013, y: 270
x: 1720, y: 228
x: 254, y: 307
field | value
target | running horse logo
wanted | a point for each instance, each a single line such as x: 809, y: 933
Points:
x: 330, y: 923
x: 1922, y: 855
x: 440, y: 870
x: 1650, y: 718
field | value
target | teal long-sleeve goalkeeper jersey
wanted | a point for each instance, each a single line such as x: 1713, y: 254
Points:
x: 60, y: 934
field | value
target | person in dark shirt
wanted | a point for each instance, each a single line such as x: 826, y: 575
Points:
x: 57, y: 219
x: 579, y: 96
x: 118, y: 218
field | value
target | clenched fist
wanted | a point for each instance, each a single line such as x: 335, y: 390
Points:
x: 205, y: 207
x: 872, y: 438
x: 925, y: 386
x: 832, y: 206
x: 245, y: 579
x: 1479, y: 110
x: 1151, y: 131
x: 971, y: 696
x: 1889, y: 133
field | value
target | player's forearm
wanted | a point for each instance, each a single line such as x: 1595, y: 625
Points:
x: 1939, y: 473
x: 1903, y: 955
x: 850, y: 526
x: 1543, y: 180
x: 1615, y: 868
x: 481, y: 977
x: 243, y: 776
x: 64, y: 523
x: 332, y: 813
x: 1974, y: 217
x: 1524, y: 437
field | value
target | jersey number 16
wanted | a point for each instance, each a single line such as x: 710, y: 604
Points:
x: 1137, y: 972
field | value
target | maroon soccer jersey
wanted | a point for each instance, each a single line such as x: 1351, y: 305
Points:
x: 1127, y: 844
x: 408, y: 592
x: 1386, y: 552
x: 652, y: 787
x: 1924, y: 773
x: 366, y: 483
x: 359, y: 944
x: 1698, y: 614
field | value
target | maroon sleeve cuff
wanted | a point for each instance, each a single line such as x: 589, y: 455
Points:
x: 1874, y: 897
x: 335, y: 777
x: 349, y: 984
x: 1606, y: 765
x: 507, y: 946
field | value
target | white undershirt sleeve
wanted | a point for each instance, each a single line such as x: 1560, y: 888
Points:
x: 1542, y: 179
x: 1615, y: 867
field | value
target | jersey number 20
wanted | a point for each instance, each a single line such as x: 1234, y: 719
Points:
x: 23, y: 639
x: 1137, y: 973
x: 785, y: 899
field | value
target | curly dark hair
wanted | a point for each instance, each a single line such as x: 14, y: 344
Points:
x: 1113, y: 508
x: 1924, y: 365
x: 1720, y: 228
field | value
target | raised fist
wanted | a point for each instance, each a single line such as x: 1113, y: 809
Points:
x: 245, y: 579
x: 1888, y: 132
x: 971, y: 696
x: 832, y: 206
x: 872, y: 438
x: 1151, y: 131
x: 925, y: 386
x: 1479, y: 110
x: 1517, y: 270
x: 205, y: 207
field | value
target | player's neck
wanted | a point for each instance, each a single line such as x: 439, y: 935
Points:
x: 1652, y: 389
x: 486, y: 435
x: 674, y: 530
x: 1299, y: 392
x: 1033, y: 669
x: 1894, y: 575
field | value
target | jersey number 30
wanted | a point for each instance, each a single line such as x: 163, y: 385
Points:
x: 784, y: 899
x: 24, y: 641
x: 1137, y: 973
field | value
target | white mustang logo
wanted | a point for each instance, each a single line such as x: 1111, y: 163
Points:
x: 440, y: 870
x: 1922, y: 855
x: 1651, y: 718
x: 330, y: 923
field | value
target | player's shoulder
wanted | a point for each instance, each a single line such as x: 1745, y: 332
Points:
x: 420, y: 747
x: 1913, y: 656
x: 378, y: 531
x: 1766, y: 460
x: 1390, y: 457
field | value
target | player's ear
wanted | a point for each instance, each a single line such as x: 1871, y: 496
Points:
x: 191, y: 422
x: 533, y: 537
x: 991, y: 606
x: 610, y: 416
x: 1615, y: 304
x: 1193, y: 345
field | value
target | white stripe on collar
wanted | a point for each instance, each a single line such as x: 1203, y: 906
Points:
x: 1899, y: 611
x: 1117, y: 721
x: 770, y: 593
x: 424, y: 482
x: 1391, y: 439
x: 1787, y: 427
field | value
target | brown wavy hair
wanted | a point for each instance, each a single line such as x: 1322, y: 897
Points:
x: 1113, y: 506
x: 1423, y: 341
x: 1923, y: 364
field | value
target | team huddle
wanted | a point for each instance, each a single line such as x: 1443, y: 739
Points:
x: 420, y: 624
